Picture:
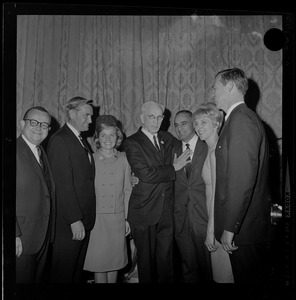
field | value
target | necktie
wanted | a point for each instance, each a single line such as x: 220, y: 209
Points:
x: 44, y: 168
x: 85, y: 146
x: 188, y: 166
x: 188, y: 147
x: 155, y: 143
x: 83, y: 142
x: 40, y: 156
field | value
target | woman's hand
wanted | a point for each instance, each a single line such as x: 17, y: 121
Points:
x: 210, y: 242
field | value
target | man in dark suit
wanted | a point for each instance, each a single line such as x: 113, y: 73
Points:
x: 190, y: 210
x: 242, y: 200
x: 35, y: 198
x: 73, y: 169
x: 150, y: 213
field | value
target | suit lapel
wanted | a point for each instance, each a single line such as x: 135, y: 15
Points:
x: 178, y: 150
x: 146, y: 143
x: 240, y: 106
x: 197, y: 151
x: 161, y: 144
x: 33, y: 161
x: 75, y: 140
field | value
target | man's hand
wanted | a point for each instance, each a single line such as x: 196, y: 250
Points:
x: 181, y: 161
x: 134, y: 179
x: 18, y: 246
x: 227, y: 241
x: 127, y: 228
x: 78, y: 231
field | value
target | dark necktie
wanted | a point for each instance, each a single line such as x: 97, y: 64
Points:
x: 85, y: 146
x: 44, y: 168
x: 40, y: 156
x: 188, y: 166
x: 155, y: 143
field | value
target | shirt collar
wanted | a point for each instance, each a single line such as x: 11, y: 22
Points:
x: 192, y: 142
x: 75, y: 131
x: 231, y: 108
x: 149, y: 134
x: 32, y: 146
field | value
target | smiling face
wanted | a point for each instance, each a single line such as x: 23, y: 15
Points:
x: 184, y: 127
x: 108, y: 138
x: 204, y: 127
x: 36, y: 135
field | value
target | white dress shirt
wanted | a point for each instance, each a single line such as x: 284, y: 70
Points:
x: 191, y: 143
x: 33, y: 148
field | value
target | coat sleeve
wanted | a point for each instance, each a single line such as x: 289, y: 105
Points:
x: 127, y: 186
x: 60, y: 162
x: 18, y: 231
x: 145, y: 167
x: 242, y: 166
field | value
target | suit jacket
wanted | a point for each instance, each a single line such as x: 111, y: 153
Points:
x: 242, y: 201
x: 74, y: 176
x: 190, y: 193
x: 35, y: 202
x: 156, y: 174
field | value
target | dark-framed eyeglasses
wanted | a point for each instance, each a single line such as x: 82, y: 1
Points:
x: 153, y: 118
x: 35, y: 123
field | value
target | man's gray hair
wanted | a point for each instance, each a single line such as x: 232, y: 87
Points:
x: 150, y: 103
x: 75, y: 103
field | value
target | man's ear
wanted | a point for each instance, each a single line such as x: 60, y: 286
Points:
x: 71, y: 113
x: 142, y: 118
x: 230, y: 86
x: 23, y: 122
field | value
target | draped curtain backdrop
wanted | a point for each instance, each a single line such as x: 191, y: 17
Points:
x: 123, y: 61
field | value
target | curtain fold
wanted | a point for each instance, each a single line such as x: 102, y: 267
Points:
x: 123, y: 61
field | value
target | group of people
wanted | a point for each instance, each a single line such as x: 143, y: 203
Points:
x: 200, y: 199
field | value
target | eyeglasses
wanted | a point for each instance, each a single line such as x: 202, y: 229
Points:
x: 35, y: 123
x: 152, y: 118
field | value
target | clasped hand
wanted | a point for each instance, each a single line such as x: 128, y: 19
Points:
x: 78, y: 231
x: 210, y: 242
x: 181, y: 161
x: 228, y: 242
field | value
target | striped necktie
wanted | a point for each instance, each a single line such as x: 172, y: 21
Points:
x: 189, y: 165
x: 188, y: 147
x: 156, y: 144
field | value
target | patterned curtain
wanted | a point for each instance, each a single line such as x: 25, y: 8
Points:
x: 122, y: 61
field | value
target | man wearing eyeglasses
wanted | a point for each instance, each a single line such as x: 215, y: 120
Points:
x: 73, y: 168
x: 35, y: 198
x: 150, y: 213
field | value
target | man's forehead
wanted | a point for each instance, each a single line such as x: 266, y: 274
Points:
x: 34, y: 113
x: 86, y: 109
x: 182, y: 117
x: 154, y: 109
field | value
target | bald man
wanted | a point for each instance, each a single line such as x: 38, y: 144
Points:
x: 150, y: 213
